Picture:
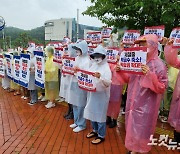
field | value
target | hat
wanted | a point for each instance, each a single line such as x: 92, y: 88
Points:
x: 141, y: 39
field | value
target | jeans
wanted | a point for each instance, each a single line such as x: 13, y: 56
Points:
x: 79, y: 120
x: 34, y: 96
x: 99, y: 128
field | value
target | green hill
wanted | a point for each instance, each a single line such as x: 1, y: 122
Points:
x: 19, y: 37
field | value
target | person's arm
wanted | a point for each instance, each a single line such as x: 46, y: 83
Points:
x: 157, y: 82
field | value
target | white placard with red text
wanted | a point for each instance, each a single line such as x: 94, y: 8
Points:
x: 88, y: 37
x: 130, y: 36
x: 58, y: 54
x: 24, y: 70
x: 96, y: 37
x: 91, y: 49
x: 86, y: 80
x: 131, y: 59
x: 158, y: 30
x: 112, y: 54
x: 106, y: 32
x: 9, y: 66
x: 174, y: 33
x: 68, y: 65
x: 17, y: 69
x: 39, y: 69
x: 176, y: 43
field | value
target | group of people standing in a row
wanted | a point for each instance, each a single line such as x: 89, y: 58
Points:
x: 144, y: 92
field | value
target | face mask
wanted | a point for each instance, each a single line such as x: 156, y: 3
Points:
x: 78, y: 53
x: 97, y: 60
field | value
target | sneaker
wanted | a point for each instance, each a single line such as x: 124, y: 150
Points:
x: 123, y: 113
x: 40, y: 97
x: 57, y: 99
x: 73, y: 126
x: 43, y: 99
x: 50, y: 105
x: 22, y: 97
x: 25, y: 98
x: 31, y: 103
x: 78, y: 129
x: 164, y: 119
x: 61, y: 100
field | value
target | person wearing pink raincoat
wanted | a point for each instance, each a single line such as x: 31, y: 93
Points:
x: 115, y: 96
x: 171, y: 56
x: 143, y: 98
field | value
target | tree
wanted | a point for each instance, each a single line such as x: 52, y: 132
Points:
x: 136, y: 14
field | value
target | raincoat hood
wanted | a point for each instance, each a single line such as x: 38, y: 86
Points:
x: 100, y: 50
x: 83, y: 46
x: 152, y: 46
x: 72, y: 52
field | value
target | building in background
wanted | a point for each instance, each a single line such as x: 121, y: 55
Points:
x: 56, y: 30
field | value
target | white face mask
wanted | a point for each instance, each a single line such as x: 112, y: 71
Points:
x: 97, y: 60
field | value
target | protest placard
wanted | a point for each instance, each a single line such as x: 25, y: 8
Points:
x: 91, y: 49
x: 58, y: 53
x: 86, y: 80
x: 68, y: 65
x: 130, y: 36
x: 158, y: 30
x: 17, y: 68
x: 9, y: 66
x: 24, y: 71
x: 131, y: 59
x: 39, y: 69
x: 88, y: 37
x: 2, y: 68
x: 176, y: 43
x: 106, y: 32
x: 96, y: 37
x: 174, y: 33
x: 112, y: 54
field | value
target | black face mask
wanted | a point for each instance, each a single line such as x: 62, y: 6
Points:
x: 97, y: 55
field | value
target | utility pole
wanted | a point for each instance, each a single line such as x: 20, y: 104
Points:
x: 77, y: 24
x: 4, y: 43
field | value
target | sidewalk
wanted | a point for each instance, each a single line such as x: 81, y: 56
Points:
x: 35, y: 129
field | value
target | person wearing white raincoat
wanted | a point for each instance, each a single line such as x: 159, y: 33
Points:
x: 32, y: 87
x: 97, y: 102
x: 78, y: 97
x: 5, y: 80
x: 69, y: 114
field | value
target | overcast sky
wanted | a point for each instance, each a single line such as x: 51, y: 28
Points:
x: 28, y: 14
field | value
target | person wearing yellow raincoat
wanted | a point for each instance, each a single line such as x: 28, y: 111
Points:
x: 51, y: 79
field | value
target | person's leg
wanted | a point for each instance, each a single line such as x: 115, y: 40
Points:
x: 108, y: 120
x: 75, y: 112
x: 101, y: 129
x: 94, y: 126
x: 34, y: 96
x: 80, y: 121
x: 101, y: 133
x: 70, y: 115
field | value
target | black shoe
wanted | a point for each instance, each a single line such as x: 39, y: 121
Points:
x: 113, y: 123
x: 65, y: 115
x: 70, y: 116
x: 108, y: 120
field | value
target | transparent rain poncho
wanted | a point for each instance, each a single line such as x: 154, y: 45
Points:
x: 171, y: 56
x: 143, y: 100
